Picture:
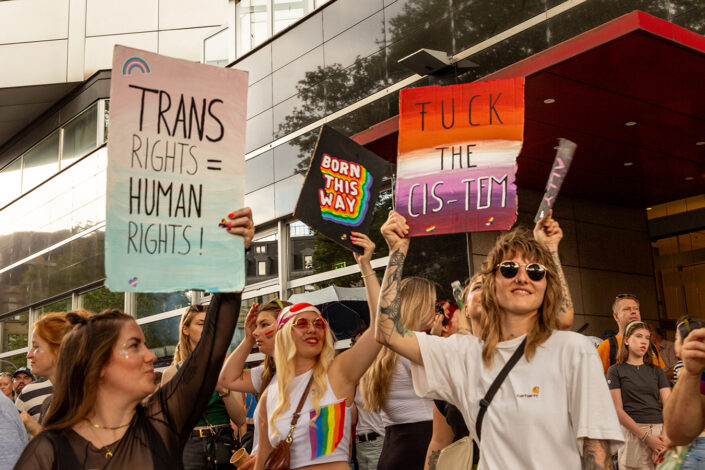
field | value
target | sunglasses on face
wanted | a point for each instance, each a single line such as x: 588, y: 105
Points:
x: 304, y: 324
x: 626, y: 296
x: 509, y: 269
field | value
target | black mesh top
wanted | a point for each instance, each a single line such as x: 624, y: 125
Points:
x: 158, y: 432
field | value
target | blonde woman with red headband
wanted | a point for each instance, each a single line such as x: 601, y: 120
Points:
x: 308, y: 367
x: 261, y: 329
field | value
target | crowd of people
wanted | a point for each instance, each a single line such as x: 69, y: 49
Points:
x: 495, y: 381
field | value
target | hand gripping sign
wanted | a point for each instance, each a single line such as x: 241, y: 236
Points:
x: 176, y: 168
x: 458, y: 146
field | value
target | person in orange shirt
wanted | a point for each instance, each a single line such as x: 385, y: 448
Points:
x: 625, y: 309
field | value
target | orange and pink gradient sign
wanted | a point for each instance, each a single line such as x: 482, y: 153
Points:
x: 458, y: 146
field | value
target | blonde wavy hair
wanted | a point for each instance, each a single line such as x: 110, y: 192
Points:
x: 507, y: 246
x: 417, y: 298
x: 284, y: 353
x: 183, y: 347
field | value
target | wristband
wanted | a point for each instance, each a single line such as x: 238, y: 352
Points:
x: 367, y: 275
x: 646, y: 434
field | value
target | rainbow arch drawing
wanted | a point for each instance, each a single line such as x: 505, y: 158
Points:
x: 135, y: 63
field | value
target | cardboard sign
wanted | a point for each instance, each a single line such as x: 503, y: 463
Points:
x: 176, y: 164
x: 458, y: 145
x: 341, y: 188
x: 561, y: 165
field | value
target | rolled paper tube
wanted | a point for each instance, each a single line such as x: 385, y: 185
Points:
x: 239, y: 457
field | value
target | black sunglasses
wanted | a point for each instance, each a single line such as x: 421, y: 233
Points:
x: 509, y: 269
x: 626, y: 296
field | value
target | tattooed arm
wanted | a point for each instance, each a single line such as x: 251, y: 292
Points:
x: 389, y: 329
x: 549, y: 234
x: 596, y: 455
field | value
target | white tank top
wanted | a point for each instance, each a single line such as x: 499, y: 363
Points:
x: 367, y: 421
x: 325, y: 440
x: 402, y: 404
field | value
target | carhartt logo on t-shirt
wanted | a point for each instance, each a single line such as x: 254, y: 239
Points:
x: 535, y: 393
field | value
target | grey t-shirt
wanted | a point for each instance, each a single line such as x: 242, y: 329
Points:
x: 640, y: 387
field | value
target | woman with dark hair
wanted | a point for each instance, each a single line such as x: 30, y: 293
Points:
x: 639, y: 387
x: 105, y: 371
x: 223, y: 406
x: 554, y: 393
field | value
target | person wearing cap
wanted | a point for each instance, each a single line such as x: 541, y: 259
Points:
x: 309, y: 372
x: 625, y: 309
x: 20, y: 378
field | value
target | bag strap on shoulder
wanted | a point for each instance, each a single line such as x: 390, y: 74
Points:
x: 485, y: 402
x: 613, y: 349
x: 295, y: 416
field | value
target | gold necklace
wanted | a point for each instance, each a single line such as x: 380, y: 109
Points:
x: 109, y: 453
x: 112, y: 428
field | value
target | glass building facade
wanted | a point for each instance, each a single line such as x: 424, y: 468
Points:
x: 310, y: 63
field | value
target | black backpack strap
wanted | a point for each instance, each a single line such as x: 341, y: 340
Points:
x: 485, y: 402
x: 655, y: 352
x: 64, y: 457
x: 613, y: 349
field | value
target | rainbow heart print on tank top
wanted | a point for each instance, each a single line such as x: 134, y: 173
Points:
x: 327, y: 430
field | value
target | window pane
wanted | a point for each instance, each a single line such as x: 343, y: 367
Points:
x: 14, y: 331
x: 216, y: 49
x: 80, y: 136
x: 161, y: 338
x: 105, y: 121
x: 100, y: 299
x: 41, y: 162
x: 262, y: 261
x: 287, y: 12
x: 11, y: 363
x: 11, y: 182
x: 252, y: 24
x: 63, y: 305
x: 150, y: 304
x: 68, y: 204
x: 310, y: 252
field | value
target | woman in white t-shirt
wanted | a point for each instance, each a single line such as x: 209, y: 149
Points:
x: 553, y: 410
x: 387, y: 386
